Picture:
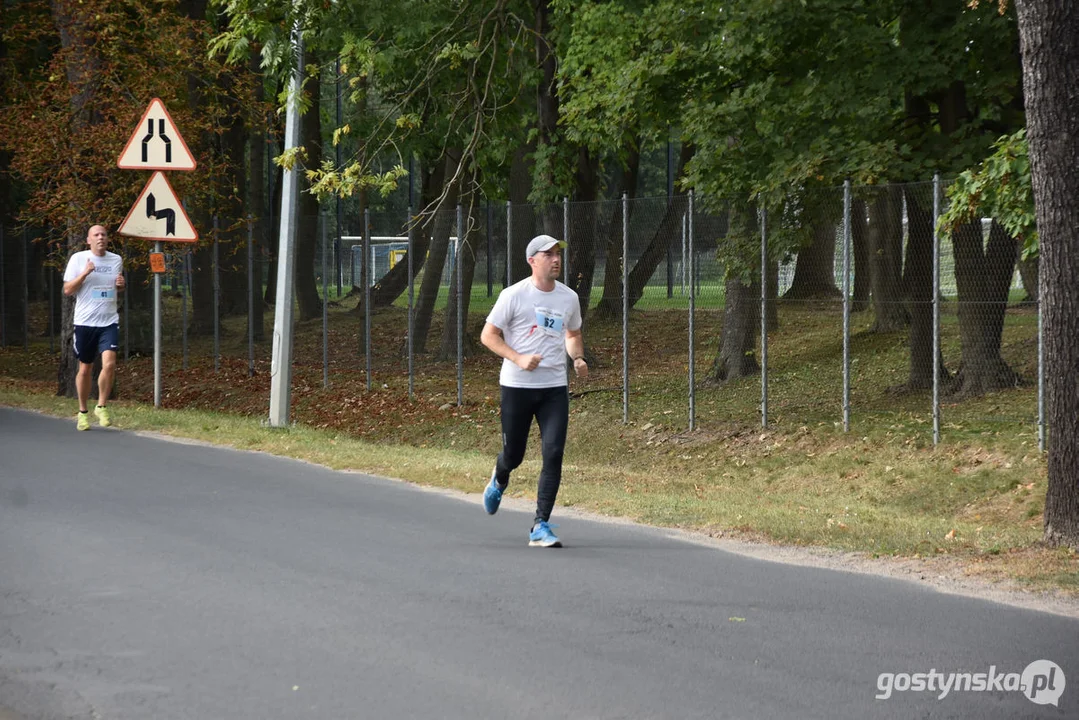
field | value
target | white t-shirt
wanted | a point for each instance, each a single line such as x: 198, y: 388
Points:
x: 534, y: 322
x: 95, y: 302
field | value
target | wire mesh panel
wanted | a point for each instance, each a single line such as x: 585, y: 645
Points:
x: 806, y: 239
x: 881, y: 306
x: 991, y: 363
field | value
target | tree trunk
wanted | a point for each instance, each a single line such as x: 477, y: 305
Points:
x: 859, y: 231
x: 918, y: 283
x: 610, y: 305
x: 359, y: 111
x: 814, y: 273
x: 233, y: 251
x: 1049, y: 35
x: 983, y: 278
x: 771, y: 308
x: 256, y: 202
x: 736, y: 357
x: 521, y: 228
x: 14, y: 284
x: 1028, y: 274
x: 202, y: 259
x: 584, y: 230
x: 441, y: 224
x: 395, y: 282
x: 307, y: 235
x: 57, y: 291
x: 202, y: 279
x: 669, y: 228
x: 546, y: 99
x: 885, y: 236
x: 82, y: 66
x: 466, y: 265
x: 139, y: 305
x: 270, y: 296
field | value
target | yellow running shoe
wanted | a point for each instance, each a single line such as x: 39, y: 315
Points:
x: 102, y: 416
x: 83, y: 422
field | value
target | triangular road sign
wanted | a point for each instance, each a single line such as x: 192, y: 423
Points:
x: 156, y: 144
x: 158, y: 215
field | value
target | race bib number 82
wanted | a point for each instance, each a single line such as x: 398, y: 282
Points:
x: 548, y: 322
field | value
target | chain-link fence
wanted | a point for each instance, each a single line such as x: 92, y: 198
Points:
x: 841, y: 306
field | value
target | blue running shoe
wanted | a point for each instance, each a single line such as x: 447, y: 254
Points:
x: 492, y: 496
x: 543, y: 537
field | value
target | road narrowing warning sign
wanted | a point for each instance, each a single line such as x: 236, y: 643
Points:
x: 156, y: 144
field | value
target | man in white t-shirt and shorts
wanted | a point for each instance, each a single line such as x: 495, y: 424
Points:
x: 532, y: 326
x: 94, y: 277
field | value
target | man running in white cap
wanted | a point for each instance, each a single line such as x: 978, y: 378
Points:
x: 532, y: 326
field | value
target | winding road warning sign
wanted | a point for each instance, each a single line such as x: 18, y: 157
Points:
x: 158, y: 214
x: 156, y: 144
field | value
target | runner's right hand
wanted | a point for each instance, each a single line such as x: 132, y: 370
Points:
x: 528, y: 362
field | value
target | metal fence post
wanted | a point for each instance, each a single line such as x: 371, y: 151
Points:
x: 337, y: 166
x: 460, y: 307
x: 936, y: 311
x: 3, y: 292
x: 250, y: 297
x: 509, y: 242
x: 685, y: 256
x: 185, y: 260
x: 25, y: 290
x: 490, y: 251
x: 325, y: 313
x: 411, y: 298
x: 846, y: 306
x: 127, y: 304
x: 52, y: 331
x: 625, y: 307
x: 688, y: 223
x: 367, y: 291
x: 217, y: 302
x: 565, y: 239
x: 670, y: 200
x: 764, y: 318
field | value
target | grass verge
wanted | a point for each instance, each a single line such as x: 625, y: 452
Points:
x: 976, y: 504
x: 972, y: 503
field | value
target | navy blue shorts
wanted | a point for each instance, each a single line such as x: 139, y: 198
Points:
x: 92, y: 341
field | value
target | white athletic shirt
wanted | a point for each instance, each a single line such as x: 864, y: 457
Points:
x: 95, y: 302
x: 534, y: 322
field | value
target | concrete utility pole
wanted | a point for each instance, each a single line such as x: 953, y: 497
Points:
x: 281, y: 367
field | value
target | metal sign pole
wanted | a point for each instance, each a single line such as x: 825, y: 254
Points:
x: 625, y: 308
x: 157, y: 332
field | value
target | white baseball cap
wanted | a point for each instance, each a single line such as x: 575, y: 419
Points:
x: 541, y: 243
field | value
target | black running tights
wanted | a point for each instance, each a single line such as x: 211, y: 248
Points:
x: 550, y: 408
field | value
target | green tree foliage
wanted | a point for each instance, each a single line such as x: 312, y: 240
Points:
x: 998, y: 188
x: 447, y: 77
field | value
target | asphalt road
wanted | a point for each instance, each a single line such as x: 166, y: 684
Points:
x: 147, y: 579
